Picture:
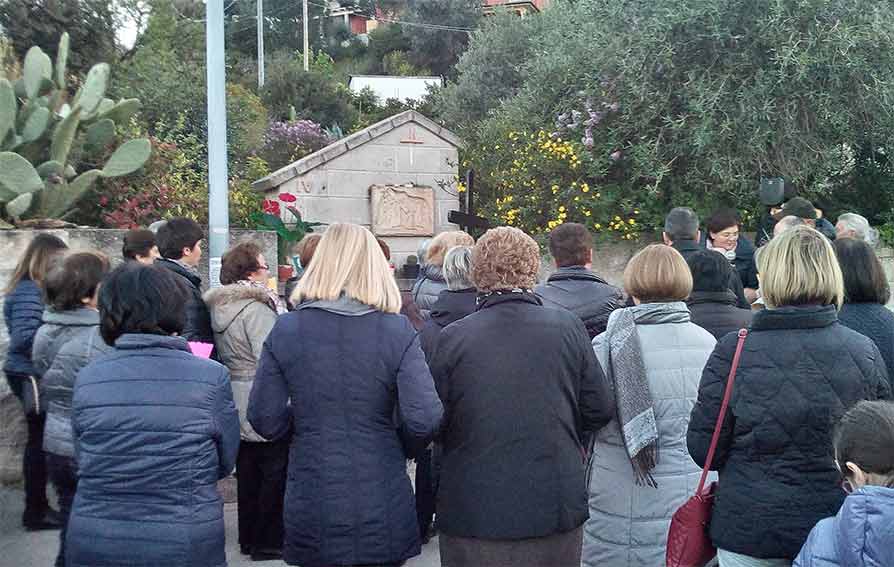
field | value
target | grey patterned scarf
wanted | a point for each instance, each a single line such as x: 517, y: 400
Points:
x: 627, y: 374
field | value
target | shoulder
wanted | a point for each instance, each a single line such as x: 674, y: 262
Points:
x: 26, y: 291
x: 231, y: 293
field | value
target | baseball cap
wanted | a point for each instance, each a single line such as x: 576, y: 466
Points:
x: 797, y: 207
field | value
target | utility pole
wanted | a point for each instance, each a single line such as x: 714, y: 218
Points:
x: 306, y: 39
x: 260, y: 44
x: 218, y: 205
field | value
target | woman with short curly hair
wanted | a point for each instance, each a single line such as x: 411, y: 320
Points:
x: 520, y: 386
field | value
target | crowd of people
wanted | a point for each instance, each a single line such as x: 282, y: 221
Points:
x: 558, y: 423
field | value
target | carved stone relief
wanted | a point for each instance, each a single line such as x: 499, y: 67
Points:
x: 402, y: 210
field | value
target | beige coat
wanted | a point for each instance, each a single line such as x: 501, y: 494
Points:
x: 241, y: 319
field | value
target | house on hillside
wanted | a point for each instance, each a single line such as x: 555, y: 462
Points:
x: 520, y: 7
x: 400, y: 88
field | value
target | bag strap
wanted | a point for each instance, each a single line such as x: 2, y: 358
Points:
x: 723, y: 406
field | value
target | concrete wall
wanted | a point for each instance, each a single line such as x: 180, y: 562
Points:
x: 12, y: 244
x: 338, y: 190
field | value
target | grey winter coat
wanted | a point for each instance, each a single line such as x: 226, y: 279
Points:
x: 241, y: 319
x: 628, y: 523
x: 67, y: 342
x: 428, y: 287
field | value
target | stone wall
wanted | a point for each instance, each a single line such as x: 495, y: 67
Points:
x: 12, y: 244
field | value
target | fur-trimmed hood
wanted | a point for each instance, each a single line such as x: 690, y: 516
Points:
x: 226, y: 303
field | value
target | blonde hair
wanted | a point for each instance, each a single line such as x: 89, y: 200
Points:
x: 444, y: 242
x: 656, y: 274
x: 799, y: 267
x: 505, y: 258
x: 348, y: 261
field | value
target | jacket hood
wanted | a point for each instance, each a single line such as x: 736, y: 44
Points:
x: 725, y: 297
x: 346, y: 306
x: 81, y: 317
x: 193, y: 277
x: 225, y: 303
x: 795, y: 317
x: 865, y: 528
x: 432, y: 272
x: 453, y: 306
x: 575, y: 273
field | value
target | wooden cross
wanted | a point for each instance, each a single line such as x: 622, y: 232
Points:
x: 412, y: 139
x: 466, y: 217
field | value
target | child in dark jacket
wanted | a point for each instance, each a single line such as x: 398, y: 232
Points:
x: 862, y: 534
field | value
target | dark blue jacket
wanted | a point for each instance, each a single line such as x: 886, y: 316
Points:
x: 876, y: 322
x: 861, y: 535
x: 23, y: 313
x: 344, y: 384
x: 799, y: 372
x: 155, y: 429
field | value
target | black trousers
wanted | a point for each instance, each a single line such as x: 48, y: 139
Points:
x: 64, y: 476
x: 425, y: 493
x: 261, y: 485
x: 34, y: 466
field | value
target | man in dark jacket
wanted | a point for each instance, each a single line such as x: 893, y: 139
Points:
x: 711, y: 304
x: 573, y: 286
x: 180, y: 244
x: 681, y: 231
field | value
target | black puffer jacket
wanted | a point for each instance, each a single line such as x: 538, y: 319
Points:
x: 198, y: 318
x: 585, y: 294
x: 800, y: 371
x: 687, y: 248
x: 451, y: 306
x: 717, y: 313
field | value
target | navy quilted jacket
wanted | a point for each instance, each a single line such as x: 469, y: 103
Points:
x: 342, y: 383
x: 155, y: 429
x: 876, y: 322
x: 23, y: 313
x: 800, y: 371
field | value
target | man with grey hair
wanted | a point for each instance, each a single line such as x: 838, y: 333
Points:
x: 454, y: 303
x: 681, y: 231
x: 852, y: 225
x: 786, y: 223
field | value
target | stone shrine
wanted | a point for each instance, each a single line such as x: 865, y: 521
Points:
x: 396, y: 177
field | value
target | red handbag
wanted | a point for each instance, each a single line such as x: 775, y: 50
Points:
x: 688, y: 542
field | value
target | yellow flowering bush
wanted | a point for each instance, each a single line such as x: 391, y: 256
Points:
x: 538, y: 180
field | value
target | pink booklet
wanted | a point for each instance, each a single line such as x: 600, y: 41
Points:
x: 201, y: 349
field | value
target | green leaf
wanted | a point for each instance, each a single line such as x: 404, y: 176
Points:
x: 48, y: 168
x: 17, y: 176
x: 36, y: 125
x: 7, y: 108
x: 64, y: 136
x: 19, y: 206
x: 57, y: 199
x: 122, y: 112
x: 93, y: 90
x: 62, y: 61
x: 37, y: 68
x: 128, y: 158
x: 100, y: 134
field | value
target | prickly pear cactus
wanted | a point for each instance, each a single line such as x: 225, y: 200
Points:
x: 39, y: 126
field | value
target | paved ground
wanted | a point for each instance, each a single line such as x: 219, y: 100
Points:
x: 22, y: 549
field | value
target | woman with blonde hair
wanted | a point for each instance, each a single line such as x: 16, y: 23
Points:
x: 653, y: 355
x: 800, y: 370
x: 521, y: 387
x: 431, y: 280
x: 344, y: 379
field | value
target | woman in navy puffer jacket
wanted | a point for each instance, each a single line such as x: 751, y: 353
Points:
x: 862, y: 534
x: 154, y: 428
x: 23, y: 313
x: 343, y: 375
